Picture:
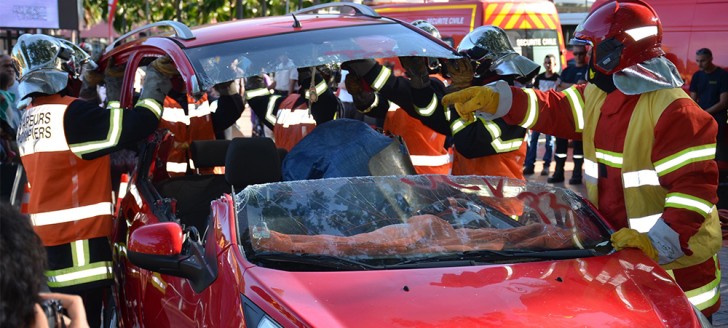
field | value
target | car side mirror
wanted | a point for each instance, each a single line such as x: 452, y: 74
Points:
x: 158, y: 247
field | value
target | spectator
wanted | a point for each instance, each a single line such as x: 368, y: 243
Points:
x: 569, y: 76
x: 9, y: 119
x: 544, y: 82
x: 286, y: 76
x: 23, y: 263
x: 709, y: 88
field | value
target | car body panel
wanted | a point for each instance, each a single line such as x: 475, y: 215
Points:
x: 543, y: 294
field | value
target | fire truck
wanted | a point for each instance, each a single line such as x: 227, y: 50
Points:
x: 532, y: 26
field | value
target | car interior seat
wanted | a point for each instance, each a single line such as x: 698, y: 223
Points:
x: 252, y: 161
x: 195, y: 192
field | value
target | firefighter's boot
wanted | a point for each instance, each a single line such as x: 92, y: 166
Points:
x: 558, y: 171
x: 576, y: 175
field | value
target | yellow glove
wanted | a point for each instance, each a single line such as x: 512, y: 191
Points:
x: 166, y: 66
x: 630, y: 238
x: 472, y: 99
x: 460, y: 72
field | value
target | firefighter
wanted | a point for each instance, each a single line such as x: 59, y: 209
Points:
x: 648, y: 147
x: 428, y: 148
x: 486, y: 148
x: 292, y: 117
x: 64, y: 146
x: 192, y: 119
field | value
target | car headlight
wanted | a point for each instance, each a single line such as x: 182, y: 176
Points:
x: 255, y: 316
x: 704, y: 322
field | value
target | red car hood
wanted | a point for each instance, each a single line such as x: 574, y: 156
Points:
x: 624, y: 289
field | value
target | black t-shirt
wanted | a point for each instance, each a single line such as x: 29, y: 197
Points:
x: 708, y: 87
x: 573, y: 74
x: 544, y: 83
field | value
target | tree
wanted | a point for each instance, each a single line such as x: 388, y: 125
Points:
x: 132, y: 13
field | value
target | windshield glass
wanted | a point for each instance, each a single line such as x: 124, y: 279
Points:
x: 222, y: 62
x: 385, y: 220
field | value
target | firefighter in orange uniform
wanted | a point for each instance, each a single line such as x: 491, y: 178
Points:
x: 648, y: 147
x: 192, y: 119
x: 290, y: 117
x: 64, y: 145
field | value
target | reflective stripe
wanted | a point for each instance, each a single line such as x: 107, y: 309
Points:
x: 175, y: 115
x: 591, y: 171
x: 498, y: 144
x: 688, y: 202
x: 71, y: 214
x: 112, y: 138
x: 382, y: 77
x: 644, y: 224
x: 560, y: 155
x: 286, y: 117
x: 640, y: 33
x: 707, y: 295
x: 269, y: 117
x: 158, y: 282
x: 640, y: 178
x: 531, y: 110
x: 80, y: 252
x: 577, y: 107
x: 375, y: 103
x: 427, y: 111
x: 685, y: 157
x: 320, y: 89
x: 151, y: 105
x: 114, y: 104
x: 176, y: 167
x: 79, y: 275
x: 424, y: 160
x: 257, y: 93
x: 458, y: 125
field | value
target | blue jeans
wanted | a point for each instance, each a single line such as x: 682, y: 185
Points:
x: 533, y: 149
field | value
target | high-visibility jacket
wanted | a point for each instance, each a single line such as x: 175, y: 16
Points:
x: 196, y: 124
x: 648, y: 156
x: 426, y: 147
x: 493, y: 148
x: 70, y: 204
x: 293, y: 122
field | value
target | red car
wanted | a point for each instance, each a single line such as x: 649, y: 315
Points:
x: 246, y: 249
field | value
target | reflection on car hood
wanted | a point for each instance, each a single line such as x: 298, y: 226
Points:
x: 624, y: 289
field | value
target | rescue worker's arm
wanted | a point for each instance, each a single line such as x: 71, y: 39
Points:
x: 365, y: 99
x: 381, y: 80
x: 482, y: 138
x: 683, y: 155
x: 324, y: 104
x: 264, y: 104
x: 92, y: 132
x: 230, y: 106
x: 555, y: 113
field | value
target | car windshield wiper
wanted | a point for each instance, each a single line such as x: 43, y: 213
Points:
x: 486, y: 256
x: 327, y: 261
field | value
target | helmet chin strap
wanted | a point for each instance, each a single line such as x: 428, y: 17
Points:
x: 605, y: 82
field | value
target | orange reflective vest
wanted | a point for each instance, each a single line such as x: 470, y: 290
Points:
x: 196, y: 124
x: 293, y: 122
x: 70, y: 197
x: 426, y: 147
x: 508, y: 164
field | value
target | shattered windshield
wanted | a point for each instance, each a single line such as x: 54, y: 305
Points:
x: 378, y: 222
x: 228, y: 61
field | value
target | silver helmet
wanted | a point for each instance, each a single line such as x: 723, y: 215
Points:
x: 427, y: 27
x: 46, y: 63
x: 490, y: 43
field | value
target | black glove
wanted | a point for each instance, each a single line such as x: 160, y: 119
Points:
x: 416, y: 69
x: 359, y: 67
x: 363, y: 99
x: 226, y: 88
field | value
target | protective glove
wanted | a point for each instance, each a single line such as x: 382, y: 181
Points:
x: 359, y: 67
x: 166, y: 66
x: 472, y: 99
x: 91, y: 78
x: 363, y: 99
x: 460, y: 71
x: 416, y: 68
x: 226, y: 88
x: 113, y: 76
x: 156, y: 84
x: 630, y: 238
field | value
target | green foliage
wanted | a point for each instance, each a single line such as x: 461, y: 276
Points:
x: 132, y: 13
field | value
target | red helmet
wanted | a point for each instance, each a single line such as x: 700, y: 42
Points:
x: 623, y: 33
